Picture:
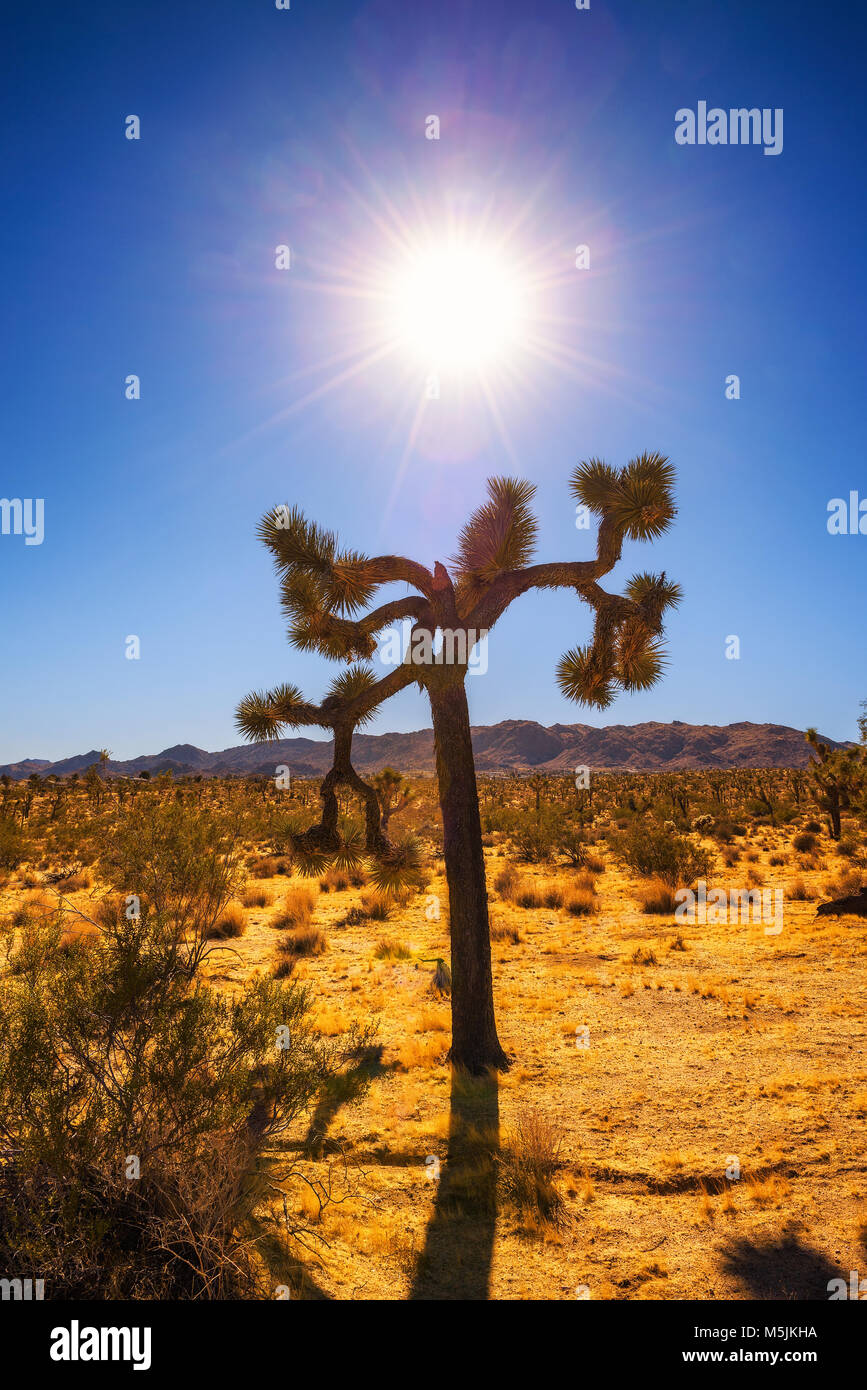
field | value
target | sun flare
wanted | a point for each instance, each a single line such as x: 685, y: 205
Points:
x: 457, y: 307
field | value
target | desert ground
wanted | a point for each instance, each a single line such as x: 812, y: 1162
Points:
x: 684, y: 1114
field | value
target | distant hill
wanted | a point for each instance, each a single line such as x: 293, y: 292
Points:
x: 515, y: 745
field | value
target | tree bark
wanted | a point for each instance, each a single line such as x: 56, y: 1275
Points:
x: 475, y: 1044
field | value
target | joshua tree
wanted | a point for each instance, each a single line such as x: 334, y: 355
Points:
x: 326, y: 595
x: 393, y: 793
x: 839, y: 778
x: 262, y: 714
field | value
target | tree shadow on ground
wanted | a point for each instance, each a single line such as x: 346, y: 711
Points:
x: 782, y: 1267
x: 459, y: 1242
x: 345, y: 1088
x: 286, y: 1267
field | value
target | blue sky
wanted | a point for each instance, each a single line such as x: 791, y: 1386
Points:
x: 262, y: 127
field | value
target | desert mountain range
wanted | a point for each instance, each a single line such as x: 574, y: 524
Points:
x: 515, y: 745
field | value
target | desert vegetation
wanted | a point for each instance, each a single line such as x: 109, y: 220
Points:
x: 224, y: 1064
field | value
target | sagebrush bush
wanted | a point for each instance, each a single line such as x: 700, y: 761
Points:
x: 183, y: 862
x: 132, y: 1148
x: 658, y: 853
x: 14, y: 846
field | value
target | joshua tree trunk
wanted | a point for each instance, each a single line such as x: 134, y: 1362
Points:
x: 376, y: 828
x: 343, y: 774
x: 475, y: 1044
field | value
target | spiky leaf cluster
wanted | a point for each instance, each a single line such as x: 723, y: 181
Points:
x: 499, y: 536
x: 638, y: 500
x: 262, y: 715
x: 401, y: 865
x: 349, y: 685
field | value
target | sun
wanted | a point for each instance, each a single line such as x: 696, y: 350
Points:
x: 457, y: 307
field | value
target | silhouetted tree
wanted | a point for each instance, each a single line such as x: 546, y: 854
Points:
x: 326, y: 594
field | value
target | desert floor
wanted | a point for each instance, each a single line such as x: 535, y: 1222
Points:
x: 707, y: 1046
x: 740, y: 1046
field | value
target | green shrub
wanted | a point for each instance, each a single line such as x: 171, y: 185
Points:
x: 183, y: 862
x: 13, y: 845
x: 147, y: 1066
x: 655, y: 852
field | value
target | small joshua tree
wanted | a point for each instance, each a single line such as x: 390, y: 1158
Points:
x: 263, y: 714
x: 327, y: 594
x: 393, y: 793
x: 838, y: 776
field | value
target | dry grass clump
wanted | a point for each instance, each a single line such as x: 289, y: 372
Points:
x: 581, y: 902
x: 265, y: 867
x: 256, y: 897
x: 770, y: 1191
x: 845, y: 885
x: 657, y: 897
x: 432, y: 1021
x: 376, y: 906
x: 528, y: 1164
x: 506, y: 882
x: 334, y: 881
x: 79, y: 935
x: 643, y: 955
x: 576, y: 897
x: 230, y: 923
x: 296, y: 910
x: 798, y: 892
x: 528, y: 895
x: 76, y: 882
x: 305, y: 941
x: 35, y: 905
x: 504, y: 931
x: 110, y: 909
x: 804, y: 842
x: 391, y: 950
x: 421, y: 1052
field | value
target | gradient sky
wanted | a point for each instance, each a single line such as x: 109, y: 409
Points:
x: 306, y: 127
